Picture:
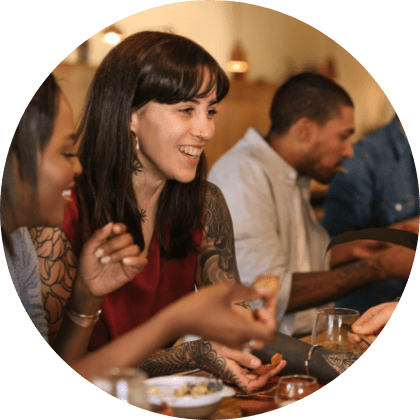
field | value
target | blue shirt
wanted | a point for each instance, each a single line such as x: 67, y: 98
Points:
x: 24, y: 270
x: 380, y: 189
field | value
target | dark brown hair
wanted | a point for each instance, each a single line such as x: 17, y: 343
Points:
x: 31, y: 136
x: 307, y: 95
x: 146, y: 66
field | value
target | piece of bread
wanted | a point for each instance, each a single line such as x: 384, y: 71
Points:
x: 264, y: 369
x: 276, y: 359
x: 269, y: 283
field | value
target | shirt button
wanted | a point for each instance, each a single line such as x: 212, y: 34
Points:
x: 398, y: 207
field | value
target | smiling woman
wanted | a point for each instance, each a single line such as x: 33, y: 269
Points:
x: 40, y: 170
x: 149, y: 115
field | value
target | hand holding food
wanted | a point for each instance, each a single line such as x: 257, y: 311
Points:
x: 219, y: 321
x: 271, y: 284
x: 264, y: 369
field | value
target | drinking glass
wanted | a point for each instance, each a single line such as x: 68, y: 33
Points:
x: 292, y: 388
x: 127, y: 385
x: 328, y: 330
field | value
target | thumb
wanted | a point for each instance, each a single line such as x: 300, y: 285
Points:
x: 370, y: 326
x: 243, y: 358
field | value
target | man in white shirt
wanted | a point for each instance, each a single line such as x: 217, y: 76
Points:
x: 265, y: 181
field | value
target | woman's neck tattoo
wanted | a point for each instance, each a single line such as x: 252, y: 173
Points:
x: 137, y: 168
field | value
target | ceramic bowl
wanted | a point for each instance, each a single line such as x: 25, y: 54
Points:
x: 189, y: 407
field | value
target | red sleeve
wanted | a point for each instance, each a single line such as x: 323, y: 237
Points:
x: 70, y: 224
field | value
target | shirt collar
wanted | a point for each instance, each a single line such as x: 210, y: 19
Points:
x: 277, y: 164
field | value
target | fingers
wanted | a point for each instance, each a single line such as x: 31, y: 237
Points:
x: 374, y: 319
x: 241, y: 293
x: 245, y: 359
x: 112, y: 244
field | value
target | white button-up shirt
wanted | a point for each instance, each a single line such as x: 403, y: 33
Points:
x: 275, y: 229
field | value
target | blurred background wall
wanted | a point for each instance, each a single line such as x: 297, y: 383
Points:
x: 273, y: 44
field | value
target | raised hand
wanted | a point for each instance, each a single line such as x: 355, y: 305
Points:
x: 210, y: 313
x: 109, y: 260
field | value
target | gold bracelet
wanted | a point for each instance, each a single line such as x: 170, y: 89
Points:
x: 309, y: 358
x: 81, y: 320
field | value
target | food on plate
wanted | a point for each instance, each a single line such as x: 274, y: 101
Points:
x: 270, y: 283
x: 203, y: 388
x: 264, y: 369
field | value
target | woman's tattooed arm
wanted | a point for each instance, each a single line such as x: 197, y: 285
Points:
x: 217, y: 262
x: 188, y: 356
x: 57, y: 266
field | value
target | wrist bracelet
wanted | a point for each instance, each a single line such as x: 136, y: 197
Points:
x: 309, y: 358
x: 81, y: 320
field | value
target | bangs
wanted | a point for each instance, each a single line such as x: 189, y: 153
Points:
x: 179, y: 73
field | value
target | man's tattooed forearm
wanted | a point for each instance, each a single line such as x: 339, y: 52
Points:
x: 340, y: 362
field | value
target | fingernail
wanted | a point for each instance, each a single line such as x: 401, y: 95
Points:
x: 107, y: 226
x: 105, y: 260
x: 254, y: 363
x: 99, y: 253
x: 127, y: 260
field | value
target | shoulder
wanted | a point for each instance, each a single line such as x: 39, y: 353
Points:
x: 24, y: 264
x: 213, y: 194
x: 245, y: 153
x: 23, y: 247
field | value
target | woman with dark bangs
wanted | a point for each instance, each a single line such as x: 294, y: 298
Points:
x: 40, y: 172
x: 149, y: 115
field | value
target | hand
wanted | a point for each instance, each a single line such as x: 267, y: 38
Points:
x: 410, y: 225
x: 355, y: 250
x: 371, y: 323
x: 396, y: 261
x: 107, y: 261
x: 233, y: 366
x: 209, y: 313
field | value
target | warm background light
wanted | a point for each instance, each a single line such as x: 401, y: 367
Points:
x: 112, y: 38
x: 237, y: 66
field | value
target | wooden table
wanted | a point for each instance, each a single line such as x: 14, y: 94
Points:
x: 241, y: 406
x: 238, y: 407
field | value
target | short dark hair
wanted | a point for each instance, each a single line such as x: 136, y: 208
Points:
x: 31, y: 136
x: 307, y: 95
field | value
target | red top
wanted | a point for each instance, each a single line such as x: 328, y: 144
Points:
x: 159, y: 284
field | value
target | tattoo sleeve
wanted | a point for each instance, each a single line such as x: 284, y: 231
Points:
x: 217, y: 262
x: 188, y: 356
x: 57, y: 266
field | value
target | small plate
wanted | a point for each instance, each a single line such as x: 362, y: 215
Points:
x: 192, y: 407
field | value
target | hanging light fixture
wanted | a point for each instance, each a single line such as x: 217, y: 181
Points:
x: 112, y: 35
x: 238, y: 64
